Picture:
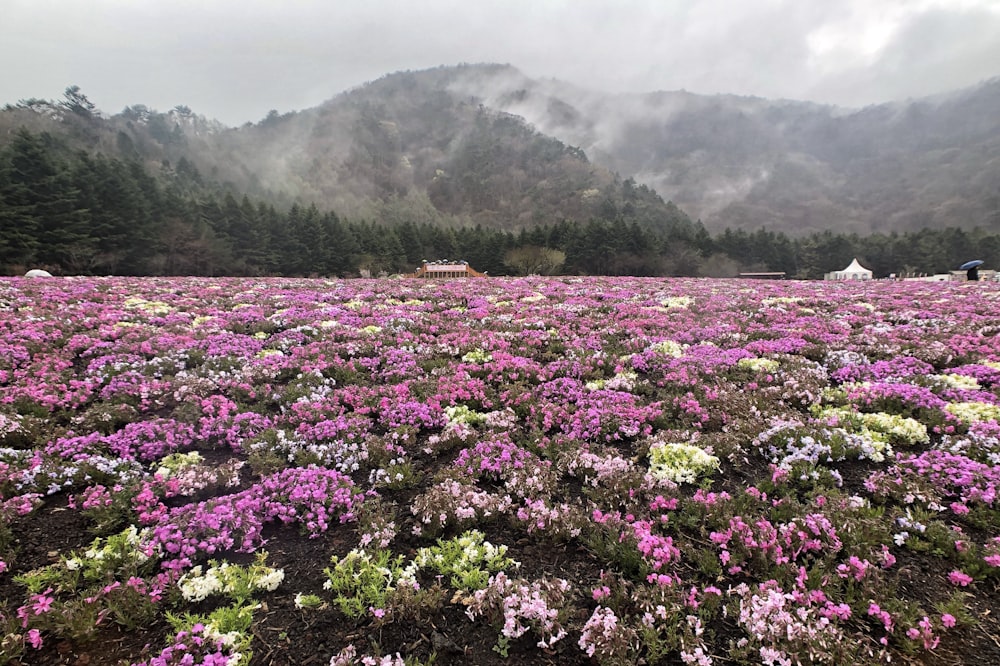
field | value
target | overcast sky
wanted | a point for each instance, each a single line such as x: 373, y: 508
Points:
x: 234, y: 60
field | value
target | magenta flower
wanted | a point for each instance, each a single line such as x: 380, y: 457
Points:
x: 959, y: 578
x: 43, y: 602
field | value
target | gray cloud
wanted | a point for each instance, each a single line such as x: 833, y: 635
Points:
x: 934, y: 51
x: 235, y: 60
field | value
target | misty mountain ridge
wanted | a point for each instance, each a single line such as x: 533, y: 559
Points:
x: 485, y: 144
x: 749, y: 162
x: 398, y: 150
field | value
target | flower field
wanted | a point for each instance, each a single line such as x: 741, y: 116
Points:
x: 524, y: 471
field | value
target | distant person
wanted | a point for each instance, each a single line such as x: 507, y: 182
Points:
x: 973, y: 274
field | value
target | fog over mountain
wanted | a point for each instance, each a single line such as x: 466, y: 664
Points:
x: 749, y: 162
x: 487, y: 144
x: 234, y: 60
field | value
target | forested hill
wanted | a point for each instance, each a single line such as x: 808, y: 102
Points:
x: 403, y: 148
x: 441, y: 164
x: 487, y: 145
x: 796, y: 167
x: 72, y: 212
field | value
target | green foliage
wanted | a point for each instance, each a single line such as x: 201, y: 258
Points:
x: 105, y: 579
x: 679, y: 462
x: 117, y: 557
x: 467, y: 559
x: 363, y: 582
x: 308, y: 601
x: 239, y: 583
x: 231, y: 625
x: 607, y: 544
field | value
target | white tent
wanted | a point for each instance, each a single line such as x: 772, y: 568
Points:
x: 37, y: 272
x: 854, y: 271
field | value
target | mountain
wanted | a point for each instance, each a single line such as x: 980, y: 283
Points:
x: 487, y: 145
x: 797, y: 167
x: 401, y: 149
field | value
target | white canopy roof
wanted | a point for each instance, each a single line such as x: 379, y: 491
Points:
x: 855, y: 267
x: 854, y: 271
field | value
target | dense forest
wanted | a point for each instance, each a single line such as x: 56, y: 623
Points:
x: 74, y: 212
x: 390, y: 153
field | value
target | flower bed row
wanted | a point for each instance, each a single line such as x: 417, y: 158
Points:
x: 747, y: 468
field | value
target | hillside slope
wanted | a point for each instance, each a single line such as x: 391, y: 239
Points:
x: 487, y: 145
x: 789, y: 166
x: 399, y: 149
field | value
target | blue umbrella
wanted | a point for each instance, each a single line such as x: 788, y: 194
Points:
x: 971, y: 264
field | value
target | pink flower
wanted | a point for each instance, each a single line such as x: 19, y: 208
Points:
x: 35, y: 638
x: 875, y: 610
x: 662, y: 580
x: 959, y: 578
x: 948, y: 620
x: 43, y: 602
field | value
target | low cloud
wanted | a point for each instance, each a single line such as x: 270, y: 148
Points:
x: 236, y: 60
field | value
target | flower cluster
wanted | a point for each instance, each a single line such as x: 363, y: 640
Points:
x: 468, y: 559
x: 232, y: 580
x: 519, y: 606
x: 756, y: 460
x: 680, y: 462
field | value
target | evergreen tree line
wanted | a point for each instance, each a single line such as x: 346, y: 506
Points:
x: 76, y: 213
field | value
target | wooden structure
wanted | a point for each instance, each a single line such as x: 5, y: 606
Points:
x: 445, y: 269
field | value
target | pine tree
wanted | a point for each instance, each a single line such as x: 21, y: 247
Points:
x: 18, y: 227
x: 342, y: 247
x: 42, y: 219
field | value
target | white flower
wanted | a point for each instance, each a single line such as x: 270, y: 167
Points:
x: 271, y: 580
